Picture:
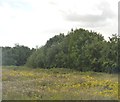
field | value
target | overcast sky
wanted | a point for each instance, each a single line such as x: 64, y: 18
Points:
x: 33, y: 22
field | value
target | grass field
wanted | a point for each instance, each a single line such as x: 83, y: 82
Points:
x: 20, y: 83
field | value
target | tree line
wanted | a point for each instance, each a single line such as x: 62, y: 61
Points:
x: 80, y: 49
x: 16, y: 55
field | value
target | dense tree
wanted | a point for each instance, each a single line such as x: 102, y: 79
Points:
x: 15, y: 56
x: 80, y: 49
x: 7, y: 56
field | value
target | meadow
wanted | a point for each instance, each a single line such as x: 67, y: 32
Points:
x: 22, y: 83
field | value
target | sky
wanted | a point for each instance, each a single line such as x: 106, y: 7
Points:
x: 32, y: 22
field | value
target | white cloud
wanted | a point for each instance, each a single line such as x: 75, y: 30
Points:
x: 33, y: 22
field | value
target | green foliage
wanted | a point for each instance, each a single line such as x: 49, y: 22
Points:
x: 36, y: 60
x: 80, y: 49
x: 15, y: 56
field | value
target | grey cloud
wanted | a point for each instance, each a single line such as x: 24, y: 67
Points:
x: 85, y: 18
x: 52, y: 3
x: 107, y: 13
